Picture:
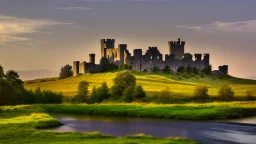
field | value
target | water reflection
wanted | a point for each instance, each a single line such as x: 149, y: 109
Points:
x: 204, y: 132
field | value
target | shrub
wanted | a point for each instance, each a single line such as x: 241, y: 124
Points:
x: 226, y: 92
x: 165, y: 96
x: 181, y: 69
x: 202, y: 75
x: 139, y: 92
x: 122, y: 81
x: 124, y: 67
x: 208, y: 70
x: 82, y: 92
x: 155, y: 69
x: 189, y: 70
x: 167, y: 69
x: 196, y: 71
x: 8, y: 94
x: 128, y: 95
x: 201, y: 92
x: 99, y: 94
x: 250, y: 95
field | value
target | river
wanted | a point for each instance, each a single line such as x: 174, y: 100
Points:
x: 241, y: 131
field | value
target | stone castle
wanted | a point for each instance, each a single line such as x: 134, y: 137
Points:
x: 152, y: 58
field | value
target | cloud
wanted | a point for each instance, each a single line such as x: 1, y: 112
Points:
x: 72, y: 8
x: 239, y: 26
x: 11, y: 28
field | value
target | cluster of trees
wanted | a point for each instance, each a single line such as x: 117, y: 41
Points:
x: 124, y: 89
x: 225, y: 92
x: 12, y: 91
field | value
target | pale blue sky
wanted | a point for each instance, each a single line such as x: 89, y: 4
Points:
x: 46, y: 34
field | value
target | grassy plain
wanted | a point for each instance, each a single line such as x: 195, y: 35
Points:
x: 18, y: 124
x: 152, y: 83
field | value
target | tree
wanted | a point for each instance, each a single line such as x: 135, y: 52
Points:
x: 189, y: 70
x: 124, y: 67
x: 8, y: 94
x: 208, y: 70
x: 181, y: 69
x: 1, y: 72
x: 103, y: 92
x: 139, y: 92
x: 94, y: 96
x: 226, y: 92
x: 155, y: 69
x: 82, y: 92
x: 13, y: 77
x: 250, y: 94
x: 128, y: 95
x: 66, y: 72
x: 201, y: 92
x: 196, y: 71
x: 104, y: 64
x: 122, y: 81
x: 167, y: 69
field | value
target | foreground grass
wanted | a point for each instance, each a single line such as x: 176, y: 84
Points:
x: 152, y: 83
x: 208, y: 111
x: 18, y: 124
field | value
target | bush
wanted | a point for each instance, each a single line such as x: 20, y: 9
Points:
x: 82, y: 92
x: 122, y: 81
x: 226, y: 92
x: 201, y: 92
x: 181, y: 69
x: 167, y: 69
x: 196, y: 71
x: 128, y: 95
x: 202, y: 75
x: 165, y: 96
x: 8, y: 94
x: 124, y: 67
x: 189, y: 70
x: 99, y: 94
x: 155, y: 69
x: 139, y: 92
x: 208, y: 70
x: 250, y: 95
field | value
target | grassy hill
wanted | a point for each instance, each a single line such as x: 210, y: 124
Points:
x: 152, y: 83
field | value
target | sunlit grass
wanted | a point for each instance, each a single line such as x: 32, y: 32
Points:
x: 152, y: 83
x: 18, y: 124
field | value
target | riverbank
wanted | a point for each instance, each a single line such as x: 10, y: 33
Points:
x: 206, y: 111
x: 19, y: 124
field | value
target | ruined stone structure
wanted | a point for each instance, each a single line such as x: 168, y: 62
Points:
x: 152, y: 58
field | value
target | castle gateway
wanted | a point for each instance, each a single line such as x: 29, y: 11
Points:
x: 152, y: 58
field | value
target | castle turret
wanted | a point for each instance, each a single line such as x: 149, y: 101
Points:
x: 177, y: 48
x: 198, y: 57
x: 76, y: 67
x: 106, y: 44
x: 92, y: 58
x: 207, y: 59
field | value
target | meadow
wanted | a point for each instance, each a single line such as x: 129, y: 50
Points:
x: 152, y: 83
x: 20, y: 124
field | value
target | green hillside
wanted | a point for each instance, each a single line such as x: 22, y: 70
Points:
x: 152, y: 83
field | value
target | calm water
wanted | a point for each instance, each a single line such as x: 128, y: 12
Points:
x: 242, y: 131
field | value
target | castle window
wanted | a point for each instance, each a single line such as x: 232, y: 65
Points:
x: 157, y: 57
x: 151, y: 57
x: 116, y: 55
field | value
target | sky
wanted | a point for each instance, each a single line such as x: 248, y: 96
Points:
x: 47, y: 34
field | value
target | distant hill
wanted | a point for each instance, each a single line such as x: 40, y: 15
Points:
x: 251, y: 77
x: 152, y: 83
x: 37, y: 74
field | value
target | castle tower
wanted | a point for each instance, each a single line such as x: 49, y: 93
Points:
x: 198, y: 57
x: 106, y: 44
x: 92, y: 58
x: 207, y: 60
x: 122, y: 48
x: 76, y: 67
x: 177, y: 48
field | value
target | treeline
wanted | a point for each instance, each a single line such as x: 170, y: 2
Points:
x: 12, y: 91
x: 124, y: 89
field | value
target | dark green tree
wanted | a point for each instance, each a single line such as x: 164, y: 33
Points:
x: 128, y: 95
x: 155, y: 69
x: 82, y: 92
x: 1, y: 72
x: 208, y: 70
x: 196, y: 71
x: 13, y: 77
x: 8, y: 94
x: 189, y: 70
x: 167, y: 69
x: 104, y: 64
x: 181, y: 69
x: 66, y: 72
x: 139, y: 92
